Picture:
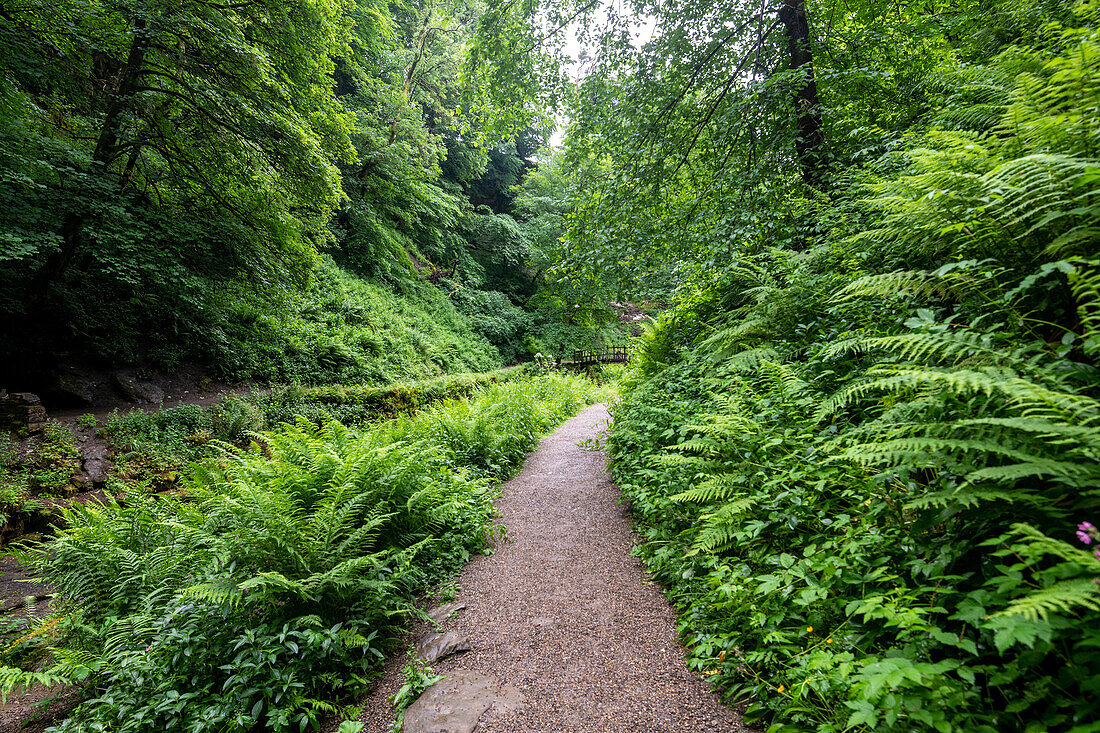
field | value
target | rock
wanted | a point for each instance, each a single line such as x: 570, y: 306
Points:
x: 137, y: 390
x: 22, y: 411
x: 456, y: 703
x: 439, y: 614
x: 36, y: 418
x: 433, y: 647
x: 76, y: 386
x: 95, y: 462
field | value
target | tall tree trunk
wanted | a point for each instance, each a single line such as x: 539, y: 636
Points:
x: 106, y: 150
x: 810, y: 135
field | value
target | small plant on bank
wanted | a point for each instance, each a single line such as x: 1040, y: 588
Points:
x: 418, y: 678
x: 448, y: 590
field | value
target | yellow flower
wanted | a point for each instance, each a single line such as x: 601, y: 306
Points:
x: 829, y: 640
x: 810, y: 629
x: 781, y: 688
x: 711, y: 671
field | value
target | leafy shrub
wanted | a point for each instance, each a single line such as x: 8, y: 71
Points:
x: 56, y: 459
x: 494, y: 316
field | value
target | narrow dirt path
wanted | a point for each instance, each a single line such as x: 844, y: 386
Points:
x: 563, y: 615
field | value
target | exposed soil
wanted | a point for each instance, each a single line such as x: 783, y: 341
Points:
x: 564, y: 614
x: 38, y: 708
x: 16, y: 583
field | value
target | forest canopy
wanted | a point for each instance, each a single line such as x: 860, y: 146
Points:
x: 169, y: 167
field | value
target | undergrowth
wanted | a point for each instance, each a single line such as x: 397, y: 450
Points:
x: 265, y: 594
x: 42, y: 466
x: 866, y: 472
x: 342, y: 329
x: 151, y: 448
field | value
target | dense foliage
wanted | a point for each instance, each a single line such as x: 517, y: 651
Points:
x: 861, y: 444
x: 150, y: 449
x: 263, y: 596
x: 862, y: 448
x: 269, y: 189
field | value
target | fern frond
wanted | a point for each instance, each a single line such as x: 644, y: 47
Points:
x: 782, y: 377
x: 730, y: 337
x: 219, y: 592
x: 915, y: 448
x: 1068, y: 472
x: 76, y: 665
x: 720, y: 487
x: 129, y: 631
x: 890, y: 284
x: 36, y: 631
x: 1066, y: 596
x: 751, y: 359
x: 986, y: 380
x: 716, y: 533
x: 1085, y: 282
x: 947, y: 347
x: 11, y: 678
x: 1054, y: 431
x: 969, y: 496
x: 1037, y: 544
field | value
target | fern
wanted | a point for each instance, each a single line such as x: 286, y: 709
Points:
x: 1063, y: 594
x: 1085, y: 281
x: 1066, y: 597
x: 969, y: 496
x: 723, y: 487
x: 12, y: 678
x: 750, y: 360
x: 716, y: 533
x: 891, y: 284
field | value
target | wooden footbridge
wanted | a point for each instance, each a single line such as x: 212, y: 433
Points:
x: 583, y: 357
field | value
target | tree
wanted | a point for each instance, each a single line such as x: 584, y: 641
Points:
x: 810, y: 137
x: 152, y: 149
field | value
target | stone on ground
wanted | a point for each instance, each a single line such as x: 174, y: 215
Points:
x: 433, y: 647
x: 457, y: 702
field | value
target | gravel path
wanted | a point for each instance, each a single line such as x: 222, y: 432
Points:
x: 564, y: 614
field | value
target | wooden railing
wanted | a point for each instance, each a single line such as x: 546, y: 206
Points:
x: 612, y: 355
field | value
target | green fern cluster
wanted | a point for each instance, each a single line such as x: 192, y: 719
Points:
x: 267, y: 591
